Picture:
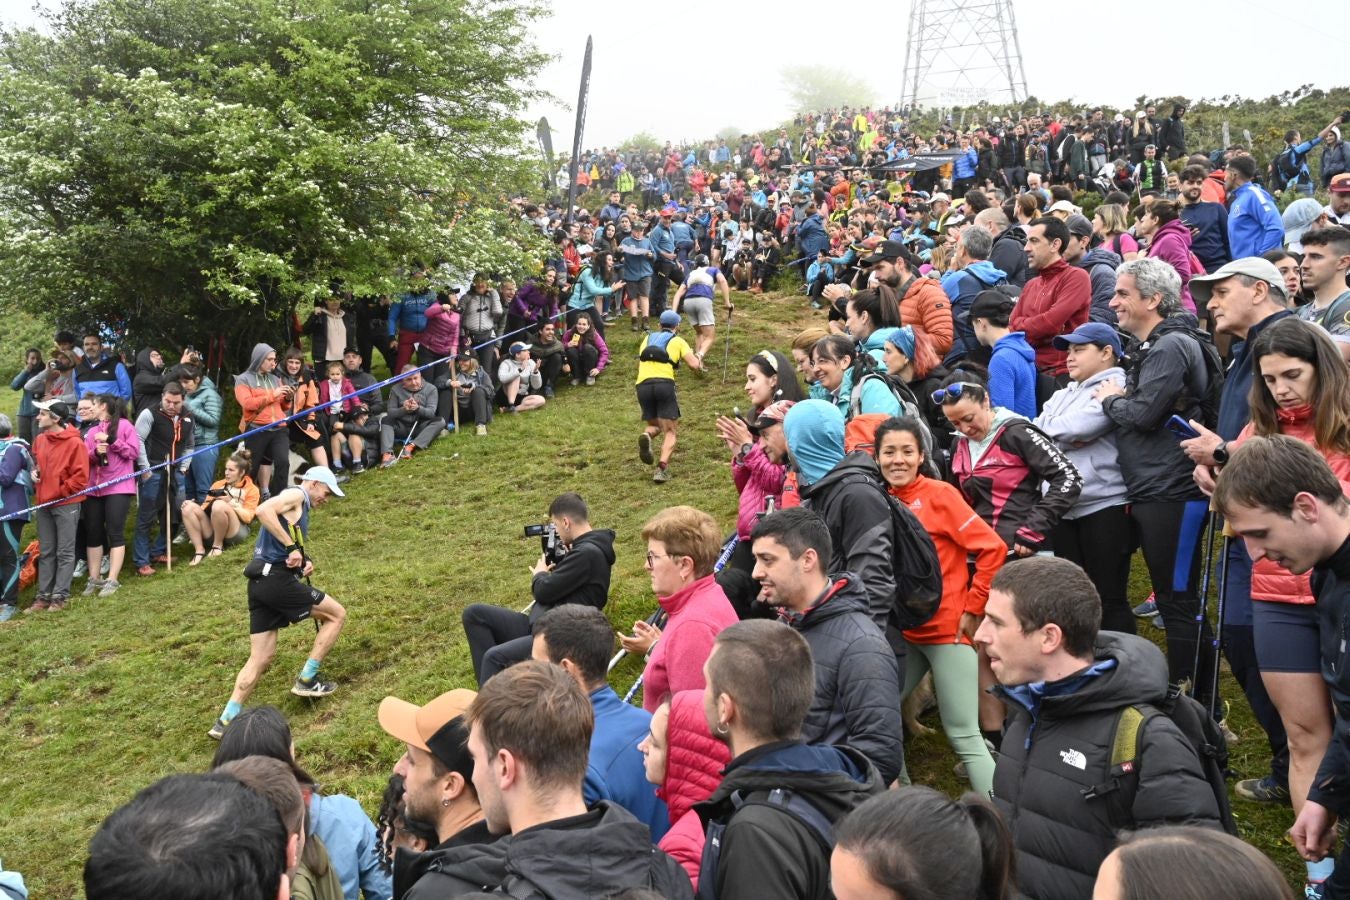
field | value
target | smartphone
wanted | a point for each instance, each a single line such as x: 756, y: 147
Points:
x: 1181, y: 428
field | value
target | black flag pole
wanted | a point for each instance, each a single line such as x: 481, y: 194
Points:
x: 582, y: 96
x: 545, y: 135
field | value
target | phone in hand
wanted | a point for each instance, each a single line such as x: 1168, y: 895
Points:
x: 1181, y: 428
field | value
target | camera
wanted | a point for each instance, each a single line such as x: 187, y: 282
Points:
x: 216, y: 492
x: 52, y: 364
x: 548, y: 540
x: 193, y: 355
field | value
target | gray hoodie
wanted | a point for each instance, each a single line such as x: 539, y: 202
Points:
x: 1087, y: 436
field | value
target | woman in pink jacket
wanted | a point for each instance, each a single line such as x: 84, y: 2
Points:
x: 683, y: 544
x: 1170, y: 241
x: 113, y: 446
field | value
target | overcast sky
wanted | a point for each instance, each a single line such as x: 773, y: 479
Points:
x: 690, y: 69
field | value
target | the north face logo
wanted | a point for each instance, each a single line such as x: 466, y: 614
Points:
x: 1074, y: 758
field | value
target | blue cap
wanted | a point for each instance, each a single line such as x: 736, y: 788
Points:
x: 1091, y: 333
x: 324, y: 476
x: 670, y: 319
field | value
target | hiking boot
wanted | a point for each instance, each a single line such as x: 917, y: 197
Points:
x: 38, y: 605
x: 1262, y: 790
x: 145, y: 570
x: 218, y: 730
x: 57, y: 604
x: 93, y: 587
x: 645, y: 448
x: 312, y: 688
x: 110, y: 587
x: 81, y: 569
x: 387, y: 460
x: 7, y: 611
x: 661, y: 475
x: 1148, y: 608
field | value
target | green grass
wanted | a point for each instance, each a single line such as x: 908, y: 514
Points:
x: 101, y: 700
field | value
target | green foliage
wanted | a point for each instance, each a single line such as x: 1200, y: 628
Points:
x: 818, y: 87
x: 221, y: 162
x: 643, y: 142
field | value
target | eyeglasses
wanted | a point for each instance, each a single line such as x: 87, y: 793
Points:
x: 954, y: 391
x: 653, y: 557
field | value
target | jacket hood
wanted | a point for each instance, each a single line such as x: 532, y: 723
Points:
x: 1016, y: 341
x: 66, y: 433
x: 249, y: 377
x: 833, y: 779
x: 143, y: 363
x: 603, y: 538
x: 1175, y: 228
x: 1114, y: 373
x: 475, y: 857
x: 610, y: 850
x: 985, y: 272
x: 1099, y: 256
x: 815, y: 437
x: 1015, y: 233
x: 694, y: 758
x: 1127, y: 670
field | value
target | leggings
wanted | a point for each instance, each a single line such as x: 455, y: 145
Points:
x: 105, y: 521
x: 1170, y: 536
x: 272, y: 445
x: 955, y: 670
x: 11, y: 536
x: 1102, y: 543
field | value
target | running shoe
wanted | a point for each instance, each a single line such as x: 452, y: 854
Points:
x: 1148, y: 608
x: 110, y: 587
x: 645, y: 448
x: 1262, y: 790
x: 218, y: 730
x: 662, y: 475
x: 315, y: 688
x: 93, y: 586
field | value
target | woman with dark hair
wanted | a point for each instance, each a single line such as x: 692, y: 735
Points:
x: 1301, y: 388
x: 915, y: 842
x: 833, y: 358
x: 606, y: 239
x: 870, y: 310
x: 342, y: 827
x: 223, y: 518
x: 305, y: 431
x: 396, y: 829
x: 943, y: 644
x: 1185, y: 862
x: 1290, y: 265
x: 535, y: 303
x: 908, y: 356
x: 585, y: 348
x: 596, y: 280
x: 1169, y: 240
x: 114, y: 447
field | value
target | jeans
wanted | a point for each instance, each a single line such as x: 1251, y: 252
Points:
x: 56, y: 562
x: 498, y: 638
x: 151, y: 508
x: 201, y: 474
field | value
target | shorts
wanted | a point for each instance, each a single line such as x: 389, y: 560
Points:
x: 279, y: 599
x: 656, y: 397
x: 1286, y: 637
x: 238, y: 537
x: 638, y: 287
x: 699, y: 310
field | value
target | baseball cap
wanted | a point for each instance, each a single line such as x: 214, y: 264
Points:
x: 773, y: 414
x: 517, y: 347
x: 58, y: 408
x: 1340, y: 184
x: 639, y: 225
x: 1090, y: 333
x: 669, y: 319
x: 988, y: 304
x: 1298, y: 217
x: 1062, y: 206
x: 667, y: 213
x: 1202, y: 286
x: 324, y: 476
x: 889, y: 250
x: 1078, y: 224
x: 438, y: 727
x: 464, y: 356
x: 940, y: 197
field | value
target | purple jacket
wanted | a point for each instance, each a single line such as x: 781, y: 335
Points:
x: 122, y: 453
x: 1172, y: 244
x: 534, y: 302
x: 599, y: 345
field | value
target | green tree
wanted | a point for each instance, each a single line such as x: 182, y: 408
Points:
x: 816, y: 88
x: 193, y: 167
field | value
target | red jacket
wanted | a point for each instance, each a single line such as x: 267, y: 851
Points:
x: 697, y: 613
x: 1055, y: 302
x: 62, y: 462
x: 694, y: 763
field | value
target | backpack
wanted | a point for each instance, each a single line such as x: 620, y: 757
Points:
x: 1208, y: 398
x: 1200, y: 731
x: 25, y: 475
x: 909, y: 409
x: 655, y: 349
x: 1286, y: 167
x: 28, y: 563
x: 914, y: 561
x: 786, y: 801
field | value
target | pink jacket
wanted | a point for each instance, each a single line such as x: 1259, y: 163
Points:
x: 697, y: 614
x: 756, y: 478
x: 1271, y: 582
x: 1172, y: 244
x: 694, y: 764
x: 346, y: 389
x: 122, y: 452
x: 442, y: 332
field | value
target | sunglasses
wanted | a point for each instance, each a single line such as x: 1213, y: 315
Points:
x: 953, y: 392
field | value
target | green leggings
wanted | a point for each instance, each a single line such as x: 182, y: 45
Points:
x: 956, y: 683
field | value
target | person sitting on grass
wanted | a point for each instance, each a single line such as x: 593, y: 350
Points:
x: 658, y: 356
x: 586, y: 350
x: 223, y: 518
x: 470, y: 389
x: 412, y: 414
x: 518, y: 375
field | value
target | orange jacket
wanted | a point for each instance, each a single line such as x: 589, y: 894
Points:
x: 926, y: 306
x: 957, y: 532
x: 258, y: 405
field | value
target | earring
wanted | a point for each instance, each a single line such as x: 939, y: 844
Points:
x: 445, y: 802
x: 721, y: 730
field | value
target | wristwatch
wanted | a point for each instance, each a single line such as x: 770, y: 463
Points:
x: 745, y: 450
x: 1220, y: 454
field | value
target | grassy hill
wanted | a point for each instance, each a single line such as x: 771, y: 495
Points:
x: 100, y: 700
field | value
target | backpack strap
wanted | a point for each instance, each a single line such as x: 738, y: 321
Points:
x: 1117, y: 790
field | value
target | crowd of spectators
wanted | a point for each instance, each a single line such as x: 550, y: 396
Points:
x: 1019, y: 389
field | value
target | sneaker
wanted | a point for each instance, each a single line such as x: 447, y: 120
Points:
x: 81, y: 569
x: 408, y: 451
x: 1229, y: 735
x: 218, y: 730
x: 1148, y: 608
x: 93, y: 587
x: 387, y: 460
x: 341, y: 477
x: 1262, y: 790
x: 358, y: 469
x: 548, y: 393
x: 110, y: 587
x: 145, y: 570
x: 481, y: 431
x: 576, y: 382
x: 661, y: 475
x: 590, y: 381
x: 7, y: 611
x: 315, y: 688
x: 38, y: 605
x: 1158, y: 623
x: 105, y: 568
x: 57, y: 604
x: 645, y: 448
x: 180, y: 538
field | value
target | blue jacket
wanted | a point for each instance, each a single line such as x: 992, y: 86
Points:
x: 349, y: 835
x: 811, y: 236
x: 961, y: 287
x: 616, y: 770
x: 964, y: 165
x: 26, y: 407
x: 663, y: 239
x: 105, y: 375
x: 1012, y: 375
x: 1208, y: 223
x: 1254, y: 224
x: 409, y: 312
x: 636, y: 266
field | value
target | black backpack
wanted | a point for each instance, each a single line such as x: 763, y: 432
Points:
x: 655, y: 348
x: 1285, y: 168
x: 1205, y: 396
x: 1200, y: 731
x: 787, y: 802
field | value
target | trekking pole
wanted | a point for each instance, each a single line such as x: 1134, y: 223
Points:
x: 1218, y: 640
x: 454, y: 402
x: 726, y: 356
x: 1207, y: 535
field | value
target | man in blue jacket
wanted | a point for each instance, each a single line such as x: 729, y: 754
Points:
x: 580, y: 639
x: 1254, y: 224
x: 1012, y: 363
x: 973, y: 273
x: 100, y: 373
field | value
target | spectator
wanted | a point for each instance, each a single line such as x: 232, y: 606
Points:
x: 1169, y: 240
x: 97, y: 372
x: 1207, y: 221
x: 530, y: 736
x: 412, y: 413
x: 916, y: 842
x: 307, y: 429
x: 596, y: 280
x: 921, y: 300
x: 683, y: 544
x: 1150, y: 174
x: 841, y: 371
x: 1100, y: 264
x: 15, y: 460
x: 1172, y: 134
x: 584, y: 349
x: 480, y: 309
x: 1188, y: 863
x: 470, y: 389
x: 32, y: 367
x: 1006, y: 253
x: 658, y: 357
x: 263, y: 400
x: 1056, y: 301
x: 1300, y: 217
x: 1111, y: 227
x: 580, y: 639
x: 1326, y: 264
x: 437, y: 773
x: 354, y: 370
x: 1012, y: 363
x: 759, y: 689
x: 518, y: 377
x: 550, y: 357
x: 637, y: 271
x: 223, y: 518
x: 57, y: 380
x: 443, y: 336
x: 534, y: 303
x: 166, y: 432
x: 235, y: 848
x: 499, y: 638
x: 408, y: 317
x: 113, y: 447
x: 909, y: 358
x: 203, y: 403
x: 971, y: 273
x: 1065, y: 684
x: 331, y: 329
x: 333, y: 408
x: 1289, y: 170
x: 1254, y: 224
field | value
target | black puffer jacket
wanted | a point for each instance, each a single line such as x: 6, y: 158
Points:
x: 1057, y: 743
x: 1331, y: 586
x: 1009, y: 254
x: 767, y: 852
x: 857, y: 698
x: 1165, y: 373
x: 581, y: 575
x: 472, y: 860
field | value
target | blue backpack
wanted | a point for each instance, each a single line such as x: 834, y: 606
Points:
x: 655, y: 350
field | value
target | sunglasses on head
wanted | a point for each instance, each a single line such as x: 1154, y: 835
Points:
x: 954, y: 391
